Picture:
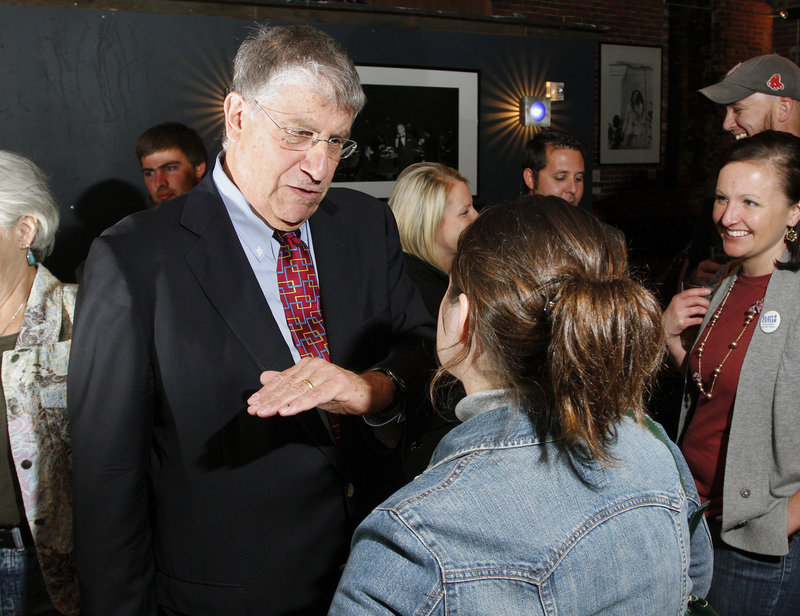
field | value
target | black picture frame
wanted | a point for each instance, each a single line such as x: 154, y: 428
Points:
x: 630, y: 104
x: 438, y: 112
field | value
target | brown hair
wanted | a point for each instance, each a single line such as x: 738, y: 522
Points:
x: 555, y: 318
x: 534, y: 154
x: 779, y: 151
x: 170, y: 135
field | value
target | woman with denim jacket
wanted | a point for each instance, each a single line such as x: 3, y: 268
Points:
x: 36, y: 311
x: 551, y: 497
x: 739, y: 419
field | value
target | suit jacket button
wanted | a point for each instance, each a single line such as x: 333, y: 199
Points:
x: 26, y: 464
x: 745, y: 492
x: 350, y: 490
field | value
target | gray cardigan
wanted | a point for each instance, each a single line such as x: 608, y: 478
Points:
x: 762, y: 469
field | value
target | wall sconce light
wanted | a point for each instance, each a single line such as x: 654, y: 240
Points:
x: 790, y: 13
x: 555, y: 90
x: 534, y: 111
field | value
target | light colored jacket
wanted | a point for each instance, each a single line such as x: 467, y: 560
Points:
x: 503, y: 521
x: 34, y: 376
x: 762, y: 467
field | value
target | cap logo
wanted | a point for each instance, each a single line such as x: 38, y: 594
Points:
x: 775, y: 82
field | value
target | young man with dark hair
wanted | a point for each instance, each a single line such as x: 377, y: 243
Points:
x: 173, y: 160
x: 553, y: 164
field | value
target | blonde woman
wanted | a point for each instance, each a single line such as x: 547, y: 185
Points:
x: 432, y: 205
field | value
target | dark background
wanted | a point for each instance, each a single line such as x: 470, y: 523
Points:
x: 80, y: 85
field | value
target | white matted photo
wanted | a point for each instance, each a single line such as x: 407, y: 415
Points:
x: 630, y: 104
x: 412, y: 115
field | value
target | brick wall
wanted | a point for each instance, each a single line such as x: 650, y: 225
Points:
x: 785, y: 38
x: 657, y: 204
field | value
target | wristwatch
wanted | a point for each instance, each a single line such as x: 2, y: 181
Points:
x: 399, y: 389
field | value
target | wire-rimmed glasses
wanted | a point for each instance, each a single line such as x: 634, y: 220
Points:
x: 299, y: 139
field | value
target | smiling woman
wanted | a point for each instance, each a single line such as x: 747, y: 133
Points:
x: 738, y: 423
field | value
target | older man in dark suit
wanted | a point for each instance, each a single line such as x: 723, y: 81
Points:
x: 225, y: 344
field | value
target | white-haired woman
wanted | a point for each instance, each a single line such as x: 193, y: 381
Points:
x: 35, y: 330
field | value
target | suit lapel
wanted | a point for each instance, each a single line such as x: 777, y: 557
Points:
x: 221, y: 268
x: 338, y: 271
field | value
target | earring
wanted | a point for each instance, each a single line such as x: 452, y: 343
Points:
x: 30, y: 256
x: 791, y: 235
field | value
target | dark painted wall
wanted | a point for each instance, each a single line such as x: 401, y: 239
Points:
x: 80, y: 85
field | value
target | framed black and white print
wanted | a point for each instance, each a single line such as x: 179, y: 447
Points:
x: 630, y: 104
x: 411, y: 115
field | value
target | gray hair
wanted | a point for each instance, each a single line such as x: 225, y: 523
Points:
x: 273, y: 55
x: 24, y: 192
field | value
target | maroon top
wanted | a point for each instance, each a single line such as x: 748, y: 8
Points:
x: 705, y: 442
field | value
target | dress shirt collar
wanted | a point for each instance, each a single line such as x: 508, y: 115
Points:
x: 255, y: 234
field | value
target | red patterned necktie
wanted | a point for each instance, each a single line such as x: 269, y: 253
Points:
x: 299, y: 291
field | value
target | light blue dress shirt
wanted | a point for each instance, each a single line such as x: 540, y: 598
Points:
x: 260, y: 247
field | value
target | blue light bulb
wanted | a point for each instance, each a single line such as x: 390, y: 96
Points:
x: 538, y: 111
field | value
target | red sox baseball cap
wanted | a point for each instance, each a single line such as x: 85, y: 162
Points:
x: 770, y: 74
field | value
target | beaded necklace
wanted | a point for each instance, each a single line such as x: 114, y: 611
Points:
x: 751, y: 314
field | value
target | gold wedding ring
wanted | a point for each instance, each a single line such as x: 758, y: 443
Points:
x: 309, y: 383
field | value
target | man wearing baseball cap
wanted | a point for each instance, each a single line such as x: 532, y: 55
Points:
x: 761, y: 93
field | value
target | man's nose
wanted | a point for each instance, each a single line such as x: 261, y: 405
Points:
x: 316, y: 161
x: 729, y: 123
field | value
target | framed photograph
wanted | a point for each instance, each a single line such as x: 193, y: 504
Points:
x: 412, y: 115
x: 630, y: 104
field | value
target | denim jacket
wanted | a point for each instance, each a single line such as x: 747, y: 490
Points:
x: 505, y: 522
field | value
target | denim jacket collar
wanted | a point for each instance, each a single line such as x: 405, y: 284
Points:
x: 491, y: 421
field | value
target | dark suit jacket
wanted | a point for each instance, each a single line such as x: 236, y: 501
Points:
x: 429, y: 424
x: 183, y: 500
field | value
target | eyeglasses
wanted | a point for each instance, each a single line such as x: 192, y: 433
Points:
x: 300, y: 140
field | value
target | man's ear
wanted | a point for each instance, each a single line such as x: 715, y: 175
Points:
x: 529, y: 179
x: 783, y: 108
x: 199, y: 170
x: 234, y: 112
